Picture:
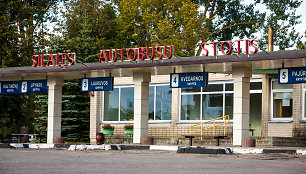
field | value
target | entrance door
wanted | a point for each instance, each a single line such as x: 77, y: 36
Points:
x: 255, y: 114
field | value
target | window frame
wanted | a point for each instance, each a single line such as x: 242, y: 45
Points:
x: 201, y: 93
x: 272, y: 104
x: 224, y: 92
x: 119, y: 106
x: 119, y: 100
x: 303, y: 101
x: 155, y: 85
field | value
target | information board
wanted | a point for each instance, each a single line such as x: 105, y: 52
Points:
x: 187, y: 80
x: 292, y: 75
x: 23, y: 87
x: 97, y: 84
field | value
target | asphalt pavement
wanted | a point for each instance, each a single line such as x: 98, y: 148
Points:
x: 26, y: 160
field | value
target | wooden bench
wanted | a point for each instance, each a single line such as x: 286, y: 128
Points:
x: 191, y: 136
x: 19, y: 136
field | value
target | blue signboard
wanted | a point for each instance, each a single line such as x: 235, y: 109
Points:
x: 97, y: 84
x: 292, y: 75
x: 187, y: 80
x: 23, y: 87
x: 37, y: 86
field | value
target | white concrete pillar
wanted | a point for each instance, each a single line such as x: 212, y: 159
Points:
x: 54, y: 107
x: 141, y: 105
x: 241, y: 75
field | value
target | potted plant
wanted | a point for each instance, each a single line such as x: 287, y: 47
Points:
x: 108, y: 129
x: 128, y: 129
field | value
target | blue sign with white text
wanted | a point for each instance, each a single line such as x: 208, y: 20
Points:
x: 292, y: 75
x: 23, y: 87
x: 97, y: 84
x: 187, y: 80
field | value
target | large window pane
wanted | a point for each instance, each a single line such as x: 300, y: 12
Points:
x: 229, y: 100
x: 190, y: 107
x: 255, y: 85
x: 127, y: 104
x: 213, y: 87
x: 212, y: 106
x: 190, y: 90
x: 111, y: 105
x: 151, y: 102
x: 282, y: 104
x: 163, y: 102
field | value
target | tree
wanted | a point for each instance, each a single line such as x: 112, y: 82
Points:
x: 20, y: 37
x: 186, y: 23
x: 90, y: 26
x: 300, y: 45
x: 281, y: 16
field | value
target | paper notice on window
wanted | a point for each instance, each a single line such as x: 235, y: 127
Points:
x: 286, y: 102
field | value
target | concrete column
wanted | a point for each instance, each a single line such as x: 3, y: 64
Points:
x: 241, y: 75
x: 265, y: 106
x: 141, y: 105
x: 95, y: 115
x: 54, y: 108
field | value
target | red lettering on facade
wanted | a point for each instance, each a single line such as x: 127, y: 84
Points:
x: 51, y: 59
x: 230, y: 47
x: 66, y: 58
x: 34, y: 61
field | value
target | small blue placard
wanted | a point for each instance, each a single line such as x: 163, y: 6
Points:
x: 97, y: 84
x: 23, y: 87
x: 37, y: 86
x: 187, y: 80
x: 292, y: 75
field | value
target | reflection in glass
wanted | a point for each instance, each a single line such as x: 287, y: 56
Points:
x: 213, y: 87
x: 229, y: 107
x: 127, y: 104
x: 212, y: 106
x: 190, y: 90
x: 190, y: 107
x: 163, y: 102
x: 111, y: 105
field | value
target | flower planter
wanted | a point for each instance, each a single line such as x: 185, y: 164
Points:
x: 128, y: 131
x: 108, y: 131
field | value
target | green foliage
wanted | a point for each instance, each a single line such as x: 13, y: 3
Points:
x: 128, y: 126
x: 108, y: 126
x: 90, y: 27
x: 281, y: 16
x: 300, y: 45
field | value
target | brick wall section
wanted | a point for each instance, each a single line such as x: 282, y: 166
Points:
x: 95, y: 115
x: 280, y: 129
x: 265, y: 110
x: 299, y: 128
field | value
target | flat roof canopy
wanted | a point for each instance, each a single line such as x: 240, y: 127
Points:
x: 218, y: 64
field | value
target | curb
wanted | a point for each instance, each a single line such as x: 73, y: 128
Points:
x: 200, y: 150
x: 178, y: 149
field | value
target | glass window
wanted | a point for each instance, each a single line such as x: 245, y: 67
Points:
x: 282, y: 104
x: 212, y: 106
x: 127, y: 104
x: 124, y: 96
x: 111, y: 105
x: 190, y: 107
x: 229, y: 104
x: 163, y: 103
x: 282, y: 100
x: 213, y: 87
x: 255, y: 85
x: 151, y: 102
x: 190, y: 90
x: 160, y: 102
